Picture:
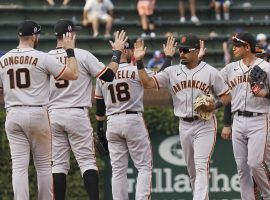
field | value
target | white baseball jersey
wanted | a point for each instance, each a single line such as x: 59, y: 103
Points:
x: 185, y: 85
x: 125, y: 93
x: 76, y: 93
x: 25, y: 76
x: 236, y: 75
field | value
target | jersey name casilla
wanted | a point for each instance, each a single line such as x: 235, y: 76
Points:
x: 25, y: 74
x: 75, y: 93
x: 124, y: 93
x: 185, y: 85
x: 236, y: 75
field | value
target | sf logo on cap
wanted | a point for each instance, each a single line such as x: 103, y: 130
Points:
x: 69, y: 28
x: 183, y: 40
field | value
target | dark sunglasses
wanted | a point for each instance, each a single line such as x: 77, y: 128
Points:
x: 186, y: 50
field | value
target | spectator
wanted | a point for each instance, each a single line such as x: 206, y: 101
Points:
x: 52, y: 3
x: 146, y: 11
x: 96, y: 11
x: 262, y: 41
x: 181, y: 7
x: 156, y: 61
x: 225, y: 6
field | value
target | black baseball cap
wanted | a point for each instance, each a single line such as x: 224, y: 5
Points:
x: 28, y: 28
x: 129, y: 44
x: 63, y: 26
x: 245, y: 38
x: 189, y: 41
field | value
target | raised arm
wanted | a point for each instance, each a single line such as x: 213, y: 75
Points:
x: 139, y: 53
x: 71, y: 72
x: 169, y: 50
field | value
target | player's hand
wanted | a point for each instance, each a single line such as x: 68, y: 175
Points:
x: 261, y: 93
x: 119, y: 41
x: 169, y: 48
x: 69, y: 40
x: 139, y: 50
x: 202, y: 51
x: 226, y: 133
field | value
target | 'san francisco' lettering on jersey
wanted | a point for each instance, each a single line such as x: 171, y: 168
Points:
x: 191, y: 84
x: 22, y: 60
x: 232, y: 83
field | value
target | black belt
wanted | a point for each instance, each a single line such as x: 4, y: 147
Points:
x: 27, y: 106
x: 190, y: 119
x: 247, y: 113
x: 126, y: 112
x: 78, y: 107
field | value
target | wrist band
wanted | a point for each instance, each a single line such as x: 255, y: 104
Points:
x: 70, y: 53
x: 218, y: 104
x: 168, y: 57
x: 140, y: 64
x: 116, y: 56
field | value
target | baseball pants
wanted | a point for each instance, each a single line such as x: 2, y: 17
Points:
x: 28, y: 130
x: 127, y: 134
x: 71, y: 130
x: 249, y: 138
x: 198, y: 139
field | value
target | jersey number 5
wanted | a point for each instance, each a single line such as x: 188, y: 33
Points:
x: 19, y: 73
x: 122, y: 92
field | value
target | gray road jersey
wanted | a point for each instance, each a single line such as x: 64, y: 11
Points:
x: 75, y: 93
x: 185, y: 85
x: 236, y: 75
x: 25, y: 76
x: 124, y: 93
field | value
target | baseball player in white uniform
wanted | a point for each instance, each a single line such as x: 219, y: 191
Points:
x: 24, y: 78
x: 250, y: 125
x: 186, y: 81
x: 69, y: 103
x: 126, y: 131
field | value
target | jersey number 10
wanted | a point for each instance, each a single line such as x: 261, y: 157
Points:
x: 19, y: 73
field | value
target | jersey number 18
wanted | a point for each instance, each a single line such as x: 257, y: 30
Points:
x: 121, y: 90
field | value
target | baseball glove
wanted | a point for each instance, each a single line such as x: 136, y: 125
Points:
x: 101, y: 143
x: 257, y: 79
x: 204, y: 106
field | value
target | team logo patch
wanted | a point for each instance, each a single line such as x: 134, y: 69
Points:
x: 184, y: 39
x: 69, y: 28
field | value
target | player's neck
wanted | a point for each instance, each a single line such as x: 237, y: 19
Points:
x: 192, y: 64
x: 23, y: 44
x: 249, y: 59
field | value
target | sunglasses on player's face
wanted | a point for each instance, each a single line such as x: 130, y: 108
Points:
x: 186, y: 50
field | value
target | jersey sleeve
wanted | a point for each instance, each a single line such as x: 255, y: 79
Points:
x: 98, y: 90
x: 54, y: 66
x: 162, y: 79
x: 94, y: 67
x: 150, y: 73
x: 219, y: 85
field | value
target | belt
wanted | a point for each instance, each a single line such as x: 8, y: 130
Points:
x: 126, y: 112
x: 247, y: 113
x: 190, y: 119
x: 27, y: 106
x: 78, y: 107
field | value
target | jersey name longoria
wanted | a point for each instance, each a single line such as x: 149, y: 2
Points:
x: 22, y: 60
x: 191, y: 84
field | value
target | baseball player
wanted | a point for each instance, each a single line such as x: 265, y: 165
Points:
x: 68, y: 110
x: 186, y: 81
x: 250, y: 123
x: 126, y: 131
x: 24, y: 78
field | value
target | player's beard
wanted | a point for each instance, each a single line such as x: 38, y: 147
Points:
x: 184, y: 62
